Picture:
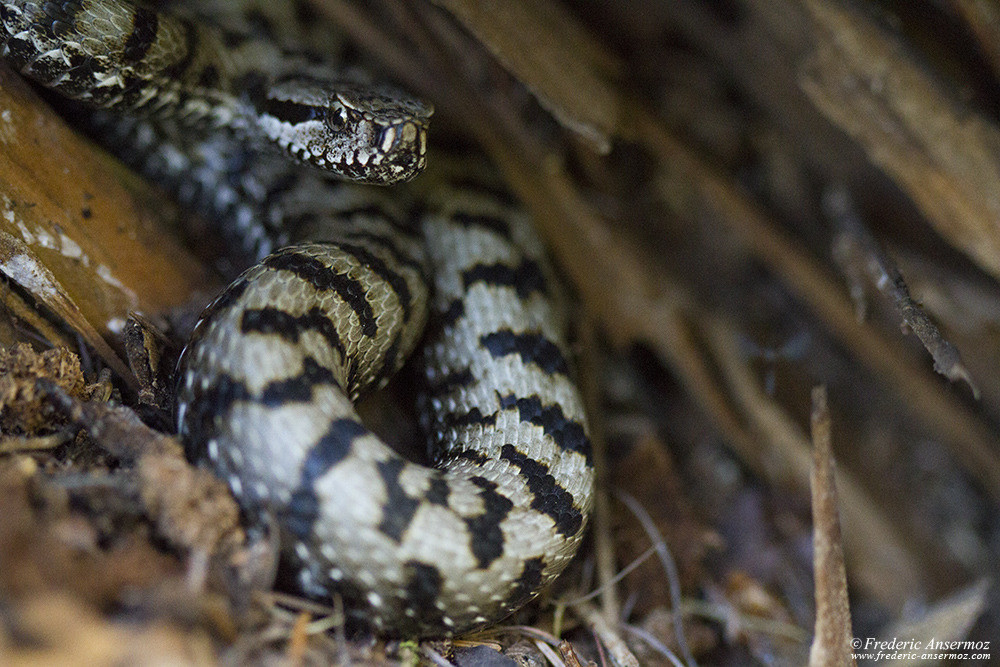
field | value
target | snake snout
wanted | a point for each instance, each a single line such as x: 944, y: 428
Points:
x: 405, y: 137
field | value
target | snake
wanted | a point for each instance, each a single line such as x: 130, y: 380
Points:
x: 285, y: 145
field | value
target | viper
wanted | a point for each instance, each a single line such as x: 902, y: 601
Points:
x: 248, y: 116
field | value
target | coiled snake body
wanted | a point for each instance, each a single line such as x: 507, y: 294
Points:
x: 267, y: 382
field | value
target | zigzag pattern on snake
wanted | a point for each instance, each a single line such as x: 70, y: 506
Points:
x: 220, y: 114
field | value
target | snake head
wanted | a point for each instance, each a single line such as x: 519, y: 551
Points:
x: 362, y: 133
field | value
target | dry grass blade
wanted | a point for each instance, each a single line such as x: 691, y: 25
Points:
x: 832, y: 640
x: 553, y: 55
x: 669, y: 568
x: 945, y: 157
x: 946, y: 622
x: 608, y: 636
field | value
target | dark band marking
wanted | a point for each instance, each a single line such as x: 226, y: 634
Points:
x: 488, y: 542
x: 372, y: 215
x: 254, y: 86
x: 209, y: 77
x: 144, y: 28
x: 230, y: 296
x: 260, y: 24
x: 233, y: 39
x: 374, y: 210
x: 533, y: 348
x: 526, y: 585
x: 438, y: 491
x: 299, y: 221
x: 305, y: 13
x: 378, y: 265
x: 566, y: 433
x: 332, y: 448
x: 446, y: 383
x: 526, y: 277
x: 444, y: 319
x: 324, y: 278
x: 210, y: 406
x: 297, y: 389
x: 548, y: 497
x: 399, y: 507
x: 470, y: 418
x: 465, y: 183
x: 423, y: 591
x: 207, y: 407
x: 270, y: 320
x: 392, y: 247
x: 471, y: 455
x: 278, y: 188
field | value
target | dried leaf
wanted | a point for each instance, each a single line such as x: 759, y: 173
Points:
x: 78, y: 233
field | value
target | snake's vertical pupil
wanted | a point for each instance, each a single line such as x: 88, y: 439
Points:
x: 336, y: 117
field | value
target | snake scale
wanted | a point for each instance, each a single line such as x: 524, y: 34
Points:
x: 268, y: 138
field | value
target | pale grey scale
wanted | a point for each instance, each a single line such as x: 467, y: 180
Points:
x: 115, y: 54
x: 256, y: 443
x: 348, y: 536
x: 218, y: 176
x: 221, y: 348
x: 78, y: 49
x: 344, y: 551
x: 489, y: 309
x: 264, y: 386
x: 294, y: 27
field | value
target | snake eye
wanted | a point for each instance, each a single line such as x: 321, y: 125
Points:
x: 336, y: 118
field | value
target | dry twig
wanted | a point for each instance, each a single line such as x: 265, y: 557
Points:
x: 832, y: 639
